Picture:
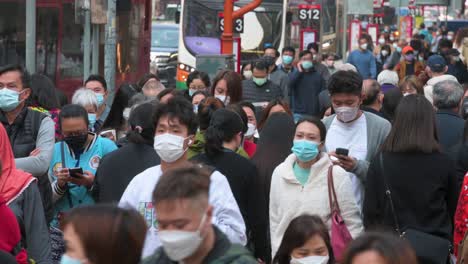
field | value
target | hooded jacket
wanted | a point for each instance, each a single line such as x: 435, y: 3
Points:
x: 289, y: 199
x: 227, y: 216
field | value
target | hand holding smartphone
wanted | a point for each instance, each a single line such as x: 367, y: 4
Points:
x: 76, y: 172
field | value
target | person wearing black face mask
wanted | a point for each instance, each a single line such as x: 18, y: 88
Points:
x: 79, y: 149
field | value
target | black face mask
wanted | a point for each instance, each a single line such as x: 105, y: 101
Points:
x: 76, y: 143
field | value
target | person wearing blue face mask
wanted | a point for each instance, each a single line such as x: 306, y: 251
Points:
x: 98, y: 85
x: 301, y: 182
x: 276, y: 75
x: 260, y: 90
x: 87, y: 99
x: 287, y: 59
x: 305, y: 86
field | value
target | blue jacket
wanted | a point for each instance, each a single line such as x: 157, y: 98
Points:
x: 450, y: 127
x: 364, y: 62
x: 305, y: 88
x: 89, y: 160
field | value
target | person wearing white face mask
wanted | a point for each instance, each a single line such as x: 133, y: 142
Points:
x: 251, y: 135
x: 175, y: 131
x: 305, y: 241
x: 227, y: 87
x: 299, y: 185
x: 361, y: 133
x: 363, y: 60
x: 182, y: 198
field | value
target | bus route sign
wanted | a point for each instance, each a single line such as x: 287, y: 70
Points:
x: 309, y: 12
x: 238, y: 24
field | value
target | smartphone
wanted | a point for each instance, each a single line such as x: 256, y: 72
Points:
x: 110, y: 134
x: 76, y: 172
x: 342, y: 151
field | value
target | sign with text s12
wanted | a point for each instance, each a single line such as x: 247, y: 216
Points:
x: 237, y: 25
x: 309, y: 12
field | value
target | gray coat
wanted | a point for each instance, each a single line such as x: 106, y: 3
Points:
x: 29, y: 212
x: 377, y: 131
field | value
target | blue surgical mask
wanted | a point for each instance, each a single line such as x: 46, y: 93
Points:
x: 69, y: 260
x: 287, y: 59
x: 191, y: 92
x: 9, y: 99
x: 307, y: 65
x: 305, y: 150
x: 398, y: 49
x: 92, y: 120
x: 100, y: 99
x: 195, y: 108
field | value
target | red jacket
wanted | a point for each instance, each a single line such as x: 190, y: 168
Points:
x: 461, y: 216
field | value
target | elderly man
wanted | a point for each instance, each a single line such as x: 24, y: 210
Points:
x: 372, y: 97
x: 447, y: 96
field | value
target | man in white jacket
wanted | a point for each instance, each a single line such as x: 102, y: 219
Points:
x: 175, y: 131
x: 436, y: 68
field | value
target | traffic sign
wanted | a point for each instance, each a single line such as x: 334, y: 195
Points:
x: 238, y: 24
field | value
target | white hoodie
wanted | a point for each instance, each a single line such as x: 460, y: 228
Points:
x: 289, y: 199
x: 227, y: 216
x: 429, y: 87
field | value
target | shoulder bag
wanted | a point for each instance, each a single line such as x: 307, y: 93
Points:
x: 429, y: 248
x: 340, y: 236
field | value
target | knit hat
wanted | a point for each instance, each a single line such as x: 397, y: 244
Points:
x: 388, y: 77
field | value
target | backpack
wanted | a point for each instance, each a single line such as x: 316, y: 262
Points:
x: 463, y: 250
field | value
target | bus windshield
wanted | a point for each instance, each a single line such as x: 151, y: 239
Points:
x: 165, y: 37
x: 201, y: 26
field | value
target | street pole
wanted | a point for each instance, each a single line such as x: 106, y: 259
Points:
x: 95, y: 56
x: 345, y: 32
x: 86, y: 44
x: 229, y: 17
x: 110, y: 49
x: 31, y: 36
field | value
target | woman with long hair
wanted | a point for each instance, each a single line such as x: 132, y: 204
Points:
x: 274, y: 106
x: 227, y: 87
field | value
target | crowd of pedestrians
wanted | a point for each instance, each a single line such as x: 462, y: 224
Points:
x: 300, y: 158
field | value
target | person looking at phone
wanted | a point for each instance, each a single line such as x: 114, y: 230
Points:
x: 75, y: 161
x: 301, y: 182
x: 359, y: 132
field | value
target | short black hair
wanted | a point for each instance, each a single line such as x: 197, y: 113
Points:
x: 290, y: 49
x: 277, y: 54
x: 97, y: 78
x: 73, y: 111
x: 199, y: 75
x: 304, y: 53
x: 180, y: 108
x: 445, y: 43
x: 345, y: 82
x: 314, y: 46
x: 247, y: 104
x: 25, y: 76
x: 260, y: 65
x: 318, y: 123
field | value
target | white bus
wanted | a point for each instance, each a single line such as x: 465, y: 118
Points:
x: 276, y: 23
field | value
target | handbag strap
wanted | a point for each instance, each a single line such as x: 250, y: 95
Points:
x: 332, y: 200
x: 62, y: 154
x: 388, y: 193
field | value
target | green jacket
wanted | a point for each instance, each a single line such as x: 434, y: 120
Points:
x: 198, y: 147
x: 223, y: 252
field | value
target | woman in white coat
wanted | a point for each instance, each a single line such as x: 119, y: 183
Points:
x: 299, y: 185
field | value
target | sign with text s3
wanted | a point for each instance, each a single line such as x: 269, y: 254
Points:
x: 309, y: 12
x: 237, y: 25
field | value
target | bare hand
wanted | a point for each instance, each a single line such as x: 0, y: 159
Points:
x: 63, y: 177
x: 35, y: 152
x: 86, y: 179
x: 299, y: 67
x: 346, y: 162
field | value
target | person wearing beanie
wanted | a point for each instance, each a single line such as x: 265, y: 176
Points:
x: 118, y: 168
x: 409, y: 65
x: 436, y: 68
x: 388, y: 79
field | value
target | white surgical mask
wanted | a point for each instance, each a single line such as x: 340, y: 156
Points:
x: 169, y: 147
x: 363, y: 46
x: 449, y: 37
x: 248, y: 75
x: 179, y: 244
x: 384, y: 53
x: 126, y: 113
x: 381, y: 41
x: 310, y: 260
x: 346, y: 114
x: 225, y: 99
x: 250, y: 130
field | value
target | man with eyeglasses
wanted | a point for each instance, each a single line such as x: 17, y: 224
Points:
x: 31, y: 133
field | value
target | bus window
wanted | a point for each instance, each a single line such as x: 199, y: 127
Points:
x: 12, y: 32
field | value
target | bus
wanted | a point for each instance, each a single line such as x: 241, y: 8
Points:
x: 276, y: 23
